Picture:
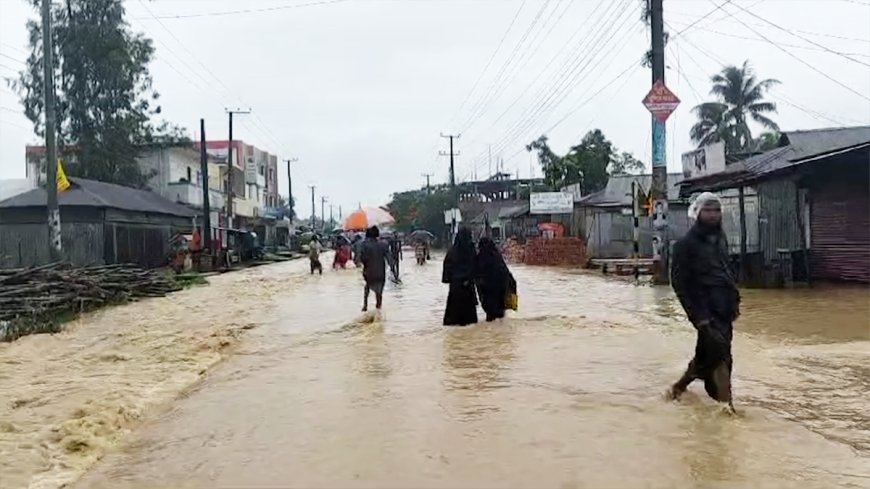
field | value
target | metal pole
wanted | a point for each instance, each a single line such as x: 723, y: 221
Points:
x: 55, y: 248
x: 636, y: 234
x: 230, y: 210
x: 313, y: 211
x: 206, y: 203
x: 659, y: 186
x: 290, y: 188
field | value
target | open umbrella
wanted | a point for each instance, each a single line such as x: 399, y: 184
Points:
x: 421, y: 235
x: 367, y: 217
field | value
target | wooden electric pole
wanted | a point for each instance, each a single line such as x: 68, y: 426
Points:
x: 55, y: 247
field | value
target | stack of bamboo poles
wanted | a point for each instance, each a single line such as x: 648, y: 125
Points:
x: 36, y: 299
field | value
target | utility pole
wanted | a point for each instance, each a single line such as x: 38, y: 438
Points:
x: 340, y: 215
x: 490, y: 161
x: 452, y: 154
x: 290, y: 188
x: 451, y: 137
x: 230, y: 210
x: 659, y: 185
x: 428, y: 187
x: 313, y: 211
x: 323, y: 200
x: 206, y: 203
x: 55, y: 248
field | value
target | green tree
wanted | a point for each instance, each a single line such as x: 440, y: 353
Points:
x: 105, y: 98
x: 421, y: 209
x: 740, y: 97
x: 589, y: 163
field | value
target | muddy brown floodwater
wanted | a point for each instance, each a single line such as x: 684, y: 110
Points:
x: 565, y: 393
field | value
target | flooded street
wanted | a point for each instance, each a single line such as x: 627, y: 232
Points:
x: 567, y: 393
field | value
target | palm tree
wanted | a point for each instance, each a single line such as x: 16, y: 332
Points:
x: 740, y: 98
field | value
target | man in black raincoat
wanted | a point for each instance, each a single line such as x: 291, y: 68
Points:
x: 707, y: 290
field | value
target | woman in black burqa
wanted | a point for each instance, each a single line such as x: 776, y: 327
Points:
x: 494, y: 280
x: 459, y: 271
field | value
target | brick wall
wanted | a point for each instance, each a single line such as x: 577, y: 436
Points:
x: 551, y: 252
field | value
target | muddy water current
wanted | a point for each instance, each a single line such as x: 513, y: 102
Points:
x: 565, y: 393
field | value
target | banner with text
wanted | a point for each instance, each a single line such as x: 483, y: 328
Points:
x: 551, y: 203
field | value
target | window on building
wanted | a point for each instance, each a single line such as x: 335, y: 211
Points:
x: 189, y: 175
x: 262, y: 171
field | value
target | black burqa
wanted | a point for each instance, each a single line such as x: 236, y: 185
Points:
x: 494, y: 280
x: 459, y: 270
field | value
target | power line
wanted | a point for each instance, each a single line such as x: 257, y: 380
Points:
x: 13, y: 59
x: 796, y: 46
x: 814, y: 43
x: 693, y: 24
x: 478, y: 109
x: 801, y: 60
x: 491, y: 58
x: 559, y: 94
x: 570, y: 77
x: 813, y: 113
x: 251, y: 10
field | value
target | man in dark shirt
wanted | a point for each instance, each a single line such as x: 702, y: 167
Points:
x: 395, y: 245
x: 373, y: 255
x: 707, y: 290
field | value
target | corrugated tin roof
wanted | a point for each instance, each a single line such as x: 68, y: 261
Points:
x: 618, y: 190
x: 12, y: 187
x: 795, y: 147
x: 91, y: 193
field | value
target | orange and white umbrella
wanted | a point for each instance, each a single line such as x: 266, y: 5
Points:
x: 367, y: 217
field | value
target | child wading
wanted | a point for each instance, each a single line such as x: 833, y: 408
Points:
x: 314, y: 248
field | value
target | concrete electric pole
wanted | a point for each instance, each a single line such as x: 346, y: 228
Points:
x: 206, y: 203
x: 290, y: 188
x: 659, y: 186
x: 428, y: 186
x: 55, y: 248
x: 313, y: 211
x: 451, y: 154
x: 323, y: 200
x: 230, y: 210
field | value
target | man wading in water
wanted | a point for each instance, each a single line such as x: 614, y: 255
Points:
x: 708, y: 292
x: 373, y: 255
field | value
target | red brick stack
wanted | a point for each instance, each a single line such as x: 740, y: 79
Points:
x: 513, y: 251
x: 555, y: 251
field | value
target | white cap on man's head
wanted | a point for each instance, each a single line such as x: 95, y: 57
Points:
x: 700, y: 201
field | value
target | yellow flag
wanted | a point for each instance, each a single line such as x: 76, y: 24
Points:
x: 62, y: 182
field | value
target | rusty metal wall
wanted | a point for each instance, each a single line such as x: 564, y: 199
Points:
x: 23, y: 245
x: 840, y: 230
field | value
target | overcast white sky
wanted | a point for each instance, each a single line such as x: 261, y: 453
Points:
x: 359, y: 90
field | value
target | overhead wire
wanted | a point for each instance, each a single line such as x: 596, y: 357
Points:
x: 570, y: 77
x: 251, y: 10
x: 801, y: 60
x: 814, y: 43
x: 543, y: 97
x: 489, y: 62
x: 555, y: 95
x: 478, y: 109
x: 778, y: 97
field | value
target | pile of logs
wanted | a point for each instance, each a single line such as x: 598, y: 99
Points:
x: 36, y: 298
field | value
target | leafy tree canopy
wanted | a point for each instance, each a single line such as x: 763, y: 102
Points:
x: 105, y: 99
x: 589, y: 163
